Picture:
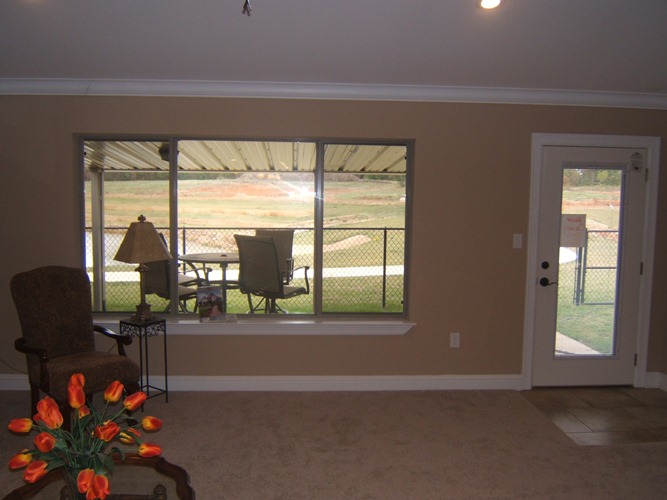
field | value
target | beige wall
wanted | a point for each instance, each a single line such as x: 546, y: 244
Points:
x: 471, y: 193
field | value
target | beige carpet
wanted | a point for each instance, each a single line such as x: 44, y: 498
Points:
x: 383, y: 445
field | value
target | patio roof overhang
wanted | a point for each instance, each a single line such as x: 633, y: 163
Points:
x: 243, y: 156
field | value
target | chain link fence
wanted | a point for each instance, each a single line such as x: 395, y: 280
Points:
x: 362, y: 269
x: 593, y: 270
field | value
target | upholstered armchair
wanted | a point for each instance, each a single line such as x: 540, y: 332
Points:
x: 55, y: 311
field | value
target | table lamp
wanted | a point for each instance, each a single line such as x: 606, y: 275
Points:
x: 142, y: 244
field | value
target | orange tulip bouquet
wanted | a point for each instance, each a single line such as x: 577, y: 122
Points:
x: 87, y: 451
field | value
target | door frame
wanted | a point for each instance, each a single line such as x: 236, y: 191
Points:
x: 652, y: 146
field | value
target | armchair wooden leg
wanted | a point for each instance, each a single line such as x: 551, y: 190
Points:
x: 34, y: 398
x: 132, y: 387
x: 66, y: 411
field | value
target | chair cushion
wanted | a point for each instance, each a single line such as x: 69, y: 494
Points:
x: 186, y: 292
x: 98, y: 368
x: 185, y: 280
x: 291, y: 291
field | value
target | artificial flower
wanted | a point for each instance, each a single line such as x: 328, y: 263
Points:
x: 20, y: 425
x: 35, y: 471
x: 99, y: 488
x: 20, y: 460
x: 107, y: 431
x: 75, y: 395
x: 134, y: 401
x: 77, y: 378
x: 45, y: 442
x: 49, y: 413
x: 151, y: 423
x: 114, y: 392
x: 149, y: 450
x: 129, y: 436
x: 87, y: 449
x: 84, y: 480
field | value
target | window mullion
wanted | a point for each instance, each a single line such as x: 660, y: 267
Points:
x: 173, y: 224
x: 98, y: 236
x: 319, y: 227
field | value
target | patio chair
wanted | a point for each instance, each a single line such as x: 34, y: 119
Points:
x: 260, y: 276
x: 157, y: 281
x: 284, y: 240
x: 187, y: 279
x: 55, y: 311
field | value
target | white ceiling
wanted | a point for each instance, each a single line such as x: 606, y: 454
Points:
x: 601, y: 52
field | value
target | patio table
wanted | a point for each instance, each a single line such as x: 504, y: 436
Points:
x: 221, y: 259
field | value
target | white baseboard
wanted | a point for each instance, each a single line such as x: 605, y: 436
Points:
x: 346, y: 383
x: 14, y: 382
x: 319, y: 383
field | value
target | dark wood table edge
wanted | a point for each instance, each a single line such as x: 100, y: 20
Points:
x: 177, y: 473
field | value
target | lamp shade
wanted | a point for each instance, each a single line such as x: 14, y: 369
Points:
x: 142, y: 244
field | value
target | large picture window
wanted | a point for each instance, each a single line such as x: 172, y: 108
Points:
x: 342, y: 206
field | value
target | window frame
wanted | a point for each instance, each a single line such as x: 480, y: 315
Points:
x: 372, y: 319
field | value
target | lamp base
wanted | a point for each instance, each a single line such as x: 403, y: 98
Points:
x: 143, y: 312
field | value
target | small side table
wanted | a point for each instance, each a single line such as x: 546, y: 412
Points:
x: 142, y: 330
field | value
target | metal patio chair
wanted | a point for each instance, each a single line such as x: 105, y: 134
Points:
x: 260, y: 274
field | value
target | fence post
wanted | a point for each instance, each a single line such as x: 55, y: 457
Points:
x: 578, y: 277
x: 584, y: 265
x: 184, y: 246
x: 384, y: 269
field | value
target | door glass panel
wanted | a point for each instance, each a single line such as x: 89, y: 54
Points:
x: 589, y: 257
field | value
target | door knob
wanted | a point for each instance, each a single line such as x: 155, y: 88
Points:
x: 546, y: 282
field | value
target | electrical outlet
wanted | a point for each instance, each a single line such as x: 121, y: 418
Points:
x: 455, y: 340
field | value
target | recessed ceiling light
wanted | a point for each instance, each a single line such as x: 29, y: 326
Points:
x: 489, y: 4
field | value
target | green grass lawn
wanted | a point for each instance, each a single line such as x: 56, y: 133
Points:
x: 591, y: 322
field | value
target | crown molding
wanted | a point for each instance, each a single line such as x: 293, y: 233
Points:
x: 284, y: 90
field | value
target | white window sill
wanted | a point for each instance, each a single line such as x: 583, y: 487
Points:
x: 266, y: 326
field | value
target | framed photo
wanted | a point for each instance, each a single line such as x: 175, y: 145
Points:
x: 209, y: 303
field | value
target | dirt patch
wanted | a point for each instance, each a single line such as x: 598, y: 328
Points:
x: 354, y: 241
x: 230, y: 190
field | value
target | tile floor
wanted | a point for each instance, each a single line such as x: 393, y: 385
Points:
x: 606, y: 415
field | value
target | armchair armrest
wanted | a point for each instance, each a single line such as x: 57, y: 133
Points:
x: 305, y: 275
x: 288, y: 273
x: 121, y: 339
x: 20, y: 345
x: 205, y: 270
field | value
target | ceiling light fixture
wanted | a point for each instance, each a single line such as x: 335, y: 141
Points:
x: 489, y: 4
x: 246, y: 8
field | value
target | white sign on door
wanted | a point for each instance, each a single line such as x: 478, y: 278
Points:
x: 573, y: 230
